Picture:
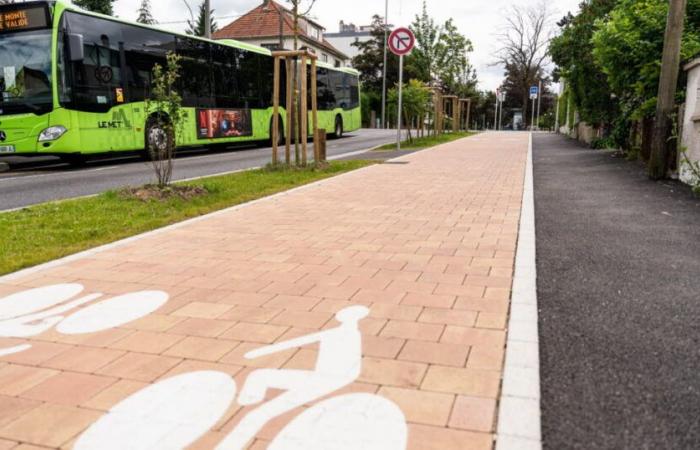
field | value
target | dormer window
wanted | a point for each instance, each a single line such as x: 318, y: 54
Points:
x: 315, y: 33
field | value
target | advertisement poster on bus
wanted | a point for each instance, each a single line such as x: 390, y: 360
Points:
x: 223, y: 123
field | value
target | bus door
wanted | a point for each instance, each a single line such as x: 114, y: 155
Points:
x: 104, y: 117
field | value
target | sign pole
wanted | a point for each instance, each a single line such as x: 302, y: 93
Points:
x: 532, y: 125
x: 401, y: 42
x: 398, y: 134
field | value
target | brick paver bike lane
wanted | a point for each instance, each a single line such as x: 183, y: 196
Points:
x: 364, y: 311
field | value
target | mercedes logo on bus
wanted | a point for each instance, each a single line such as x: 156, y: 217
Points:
x: 3, y: 136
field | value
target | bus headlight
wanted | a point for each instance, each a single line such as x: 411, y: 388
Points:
x: 52, y: 133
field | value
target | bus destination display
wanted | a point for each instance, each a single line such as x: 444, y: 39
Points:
x: 28, y: 18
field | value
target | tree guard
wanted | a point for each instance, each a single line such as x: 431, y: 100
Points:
x: 289, y: 57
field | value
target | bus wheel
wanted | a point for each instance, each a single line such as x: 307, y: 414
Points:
x: 74, y: 159
x: 158, y: 139
x: 338, y: 127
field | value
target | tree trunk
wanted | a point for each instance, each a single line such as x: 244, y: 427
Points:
x: 670, y: 66
x: 647, y: 136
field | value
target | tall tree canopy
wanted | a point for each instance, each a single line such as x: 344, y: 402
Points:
x: 572, y: 52
x: 196, y: 28
x: 441, y: 56
x: 523, y: 53
x: 627, y: 46
x: 424, y: 60
x: 144, y: 12
x: 370, y: 60
x: 98, y: 6
x: 455, y: 73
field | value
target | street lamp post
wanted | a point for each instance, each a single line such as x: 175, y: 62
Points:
x: 386, y: 38
x: 495, y: 114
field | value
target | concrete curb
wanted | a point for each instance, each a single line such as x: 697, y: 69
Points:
x: 519, y: 425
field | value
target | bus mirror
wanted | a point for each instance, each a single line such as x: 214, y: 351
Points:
x: 75, y: 47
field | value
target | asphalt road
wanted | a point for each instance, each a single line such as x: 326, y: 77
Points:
x: 31, y: 181
x: 618, y: 260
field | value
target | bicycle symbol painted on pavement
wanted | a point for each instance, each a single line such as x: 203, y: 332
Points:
x: 176, y: 412
x: 32, y: 312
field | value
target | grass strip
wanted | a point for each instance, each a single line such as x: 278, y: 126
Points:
x: 45, y: 232
x: 427, y: 141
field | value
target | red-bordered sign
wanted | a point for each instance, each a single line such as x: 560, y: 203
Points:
x: 401, y: 41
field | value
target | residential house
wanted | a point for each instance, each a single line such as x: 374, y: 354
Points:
x: 271, y: 25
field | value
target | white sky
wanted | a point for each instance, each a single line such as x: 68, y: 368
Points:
x: 479, y: 20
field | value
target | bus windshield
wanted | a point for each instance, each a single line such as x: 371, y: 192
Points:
x: 25, y: 72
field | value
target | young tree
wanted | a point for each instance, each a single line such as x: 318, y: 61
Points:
x: 415, y: 104
x: 524, y: 41
x: 98, y: 6
x: 197, y: 27
x: 144, y: 12
x: 167, y: 117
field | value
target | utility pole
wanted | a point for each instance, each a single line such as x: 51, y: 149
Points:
x: 207, y: 19
x: 670, y: 64
x: 556, y: 118
x: 386, y: 43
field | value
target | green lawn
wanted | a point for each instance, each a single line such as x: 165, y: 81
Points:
x: 45, y: 232
x: 428, y: 141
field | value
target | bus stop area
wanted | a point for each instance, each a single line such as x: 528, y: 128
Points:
x: 369, y: 310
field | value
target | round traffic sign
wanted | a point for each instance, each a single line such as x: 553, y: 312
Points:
x: 401, y: 41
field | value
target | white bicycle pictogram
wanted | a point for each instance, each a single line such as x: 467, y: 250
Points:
x: 174, y: 413
x: 32, y: 312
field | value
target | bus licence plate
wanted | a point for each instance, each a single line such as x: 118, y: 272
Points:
x: 7, y: 148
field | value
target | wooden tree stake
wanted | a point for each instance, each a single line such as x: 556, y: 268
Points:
x: 288, y: 107
x: 304, y: 111
x: 456, y: 118
x: 275, y: 112
x: 314, y: 111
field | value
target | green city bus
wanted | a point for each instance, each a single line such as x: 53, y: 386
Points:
x: 74, y: 83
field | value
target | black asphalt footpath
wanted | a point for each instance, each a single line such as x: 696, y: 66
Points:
x: 618, y: 260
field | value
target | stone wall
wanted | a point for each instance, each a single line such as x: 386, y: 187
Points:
x: 690, y: 137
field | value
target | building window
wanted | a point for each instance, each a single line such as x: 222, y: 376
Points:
x: 324, y: 58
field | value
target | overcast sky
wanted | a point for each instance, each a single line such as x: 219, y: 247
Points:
x: 479, y: 20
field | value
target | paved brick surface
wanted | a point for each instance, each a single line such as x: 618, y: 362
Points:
x: 427, y: 244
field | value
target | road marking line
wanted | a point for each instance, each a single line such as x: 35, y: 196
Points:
x: 519, y: 416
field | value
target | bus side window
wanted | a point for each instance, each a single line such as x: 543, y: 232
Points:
x: 196, y: 81
x: 353, y: 85
x: 326, y: 96
x: 97, y: 76
x: 249, y: 78
x: 342, y: 97
x: 225, y: 76
x: 143, y: 49
x: 266, y: 77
